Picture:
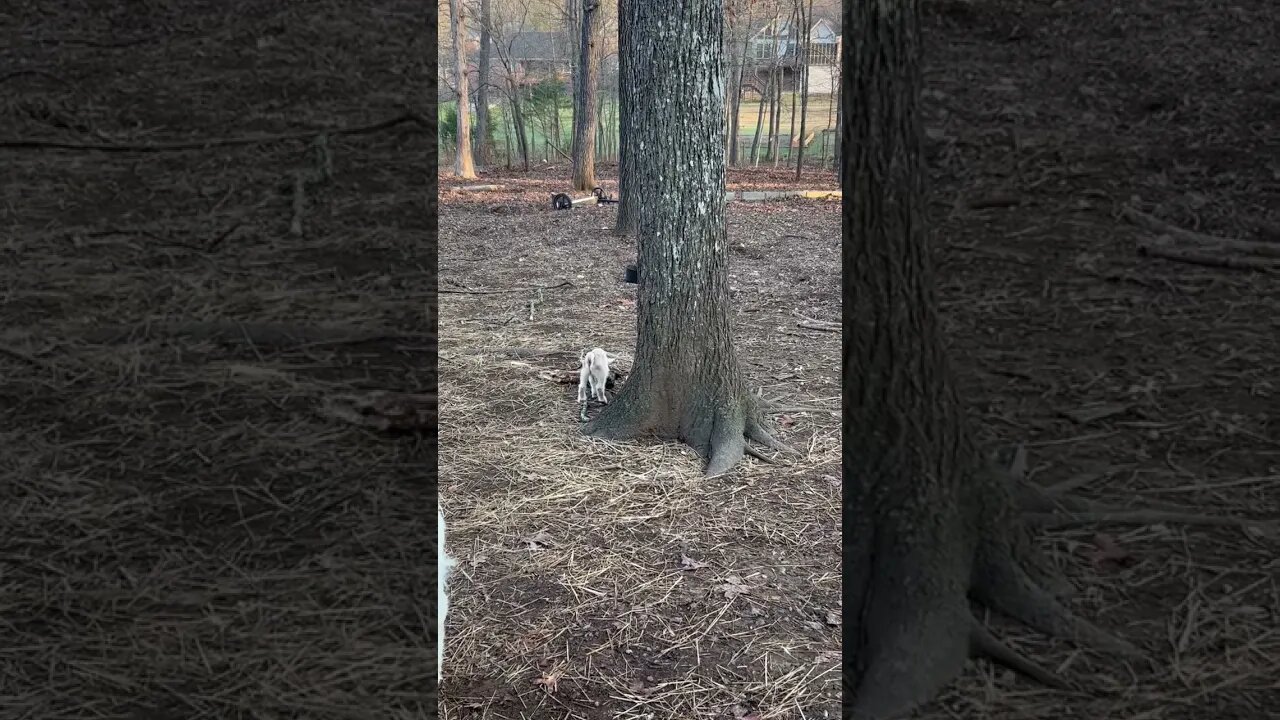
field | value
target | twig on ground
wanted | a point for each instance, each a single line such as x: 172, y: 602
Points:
x: 759, y: 455
x: 823, y: 327
x: 260, y: 334
x: 1222, y: 244
x: 1207, y: 257
x: 299, y: 204
x: 210, y: 142
x: 562, y: 283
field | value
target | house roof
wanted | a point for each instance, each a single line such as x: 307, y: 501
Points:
x: 538, y: 46
x: 782, y: 26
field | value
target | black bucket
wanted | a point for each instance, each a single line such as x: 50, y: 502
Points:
x: 633, y: 274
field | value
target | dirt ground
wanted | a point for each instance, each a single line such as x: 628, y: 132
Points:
x: 1130, y: 377
x: 611, y: 580
x: 187, y: 529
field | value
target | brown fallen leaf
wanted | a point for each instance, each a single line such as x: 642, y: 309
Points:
x: 387, y: 411
x: 540, y: 540
x: 733, y: 587
x: 1095, y: 412
x: 786, y: 421
x: 688, y: 563
x: 1108, y: 550
x: 550, y: 681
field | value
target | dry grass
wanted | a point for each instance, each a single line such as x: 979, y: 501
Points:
x: 612, y: 580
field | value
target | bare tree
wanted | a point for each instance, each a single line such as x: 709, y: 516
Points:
x: 585, y: 84
x: 484, y: 134
x: 929, y: 524
x: 686, y: 382
x: 806, y: 21
x: 503, y: 29
x: 463, y: 166
x: 627, y: 201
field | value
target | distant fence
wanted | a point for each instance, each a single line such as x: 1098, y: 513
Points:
x: 819, y: 152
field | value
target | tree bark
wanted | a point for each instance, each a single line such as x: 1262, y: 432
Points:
x: 686, y: 382
x: 585, y: 84
x: 463, y: 166
x: 484, y: 133
x: 928, y: 524
x: 625, y: 225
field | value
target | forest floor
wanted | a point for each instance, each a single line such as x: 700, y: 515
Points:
x: 1133, y: 377
x: 612, y: 580
x: 189, y: 527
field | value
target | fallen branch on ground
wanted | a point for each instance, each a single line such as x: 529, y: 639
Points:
x: 258, y: 334
x: 211, y: 142
x: 1173, y: 232
x: 1207, y: 257
x: 823, y: 327
x: 562, y: 283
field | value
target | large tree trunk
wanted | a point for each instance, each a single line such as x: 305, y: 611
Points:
x: 686, y: 381
x: 463, y: 166
x: 584, y: 100
x: 484, y: 134
x: 928, y: 523
x: 625, y: 224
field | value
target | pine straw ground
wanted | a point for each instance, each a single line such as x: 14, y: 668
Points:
x: 611, y: 580
x: 1131, y: 378
x: 184, y: 533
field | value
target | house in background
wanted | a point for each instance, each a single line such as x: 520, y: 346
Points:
x: 775, y: 45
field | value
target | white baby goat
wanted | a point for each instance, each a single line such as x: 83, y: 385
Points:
x: 444, y: 564
x: 594, y: 374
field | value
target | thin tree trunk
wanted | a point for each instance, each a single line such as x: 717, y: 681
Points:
x: 506, y: 134
x: 806, y: 20
x: 798, y: 21
x: 484, y: 133
x: 626, y: 222
x: 755, y: 140
x: 517, y: 119
x: 463, y: 166
x: 584, y: 100
x: 775, y: 142
x: 736, y: 112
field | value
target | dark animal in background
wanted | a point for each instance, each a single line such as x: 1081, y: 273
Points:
x: 560, y: 201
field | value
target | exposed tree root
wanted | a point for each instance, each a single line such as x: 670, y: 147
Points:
x: 1005, y: 586
x: 756, y: 431
x: 718, y: 431
x: 1047, y: 509
x: 1142, y: 517
x: 726, y: 443
x: 983, y: 644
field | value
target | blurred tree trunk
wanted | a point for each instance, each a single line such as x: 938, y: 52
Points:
x: 626, y: 222
x: 463, y: 166
x: 484, y: 133
x: 585, y: 85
